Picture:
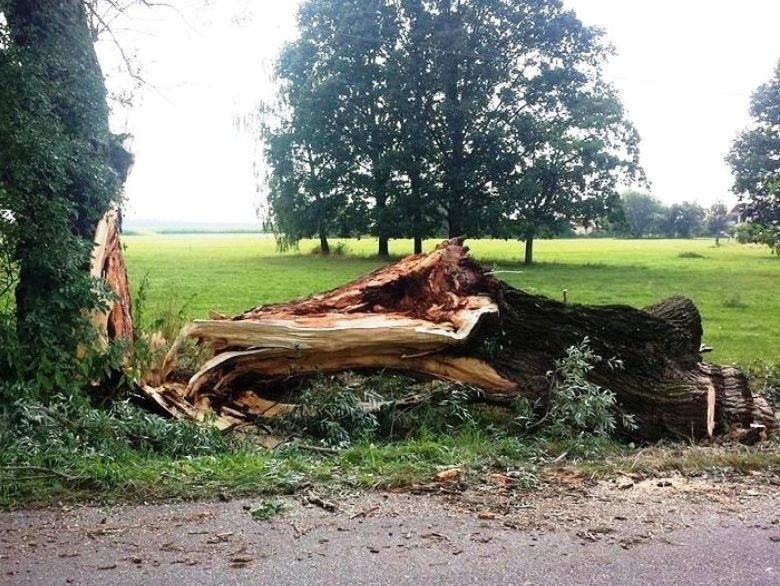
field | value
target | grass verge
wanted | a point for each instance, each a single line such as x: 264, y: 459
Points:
x: 142, y: 477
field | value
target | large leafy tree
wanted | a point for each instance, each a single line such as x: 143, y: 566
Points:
x: 308, y: 192
x: 568, y: 137
x: 682, y: 220
x: 338, y: 69
x: 412, y: 96
x: 755, y: 156
x: 487, y: 117
x: 305, y: 194
x: 473, y: 48
x: 60, y: 169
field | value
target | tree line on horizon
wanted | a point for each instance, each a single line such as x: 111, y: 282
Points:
x: 422, y: 118
x: 643, y: 216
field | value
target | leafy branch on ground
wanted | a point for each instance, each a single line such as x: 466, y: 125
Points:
x: 574, y: 406
x: 340, y: 410
x: 765, y: 381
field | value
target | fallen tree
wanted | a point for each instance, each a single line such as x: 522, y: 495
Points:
x: 442, y: 315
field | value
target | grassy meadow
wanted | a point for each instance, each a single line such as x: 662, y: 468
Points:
x: 734, y: 286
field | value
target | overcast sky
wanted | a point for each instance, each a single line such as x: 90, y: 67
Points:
x: 685, y: 70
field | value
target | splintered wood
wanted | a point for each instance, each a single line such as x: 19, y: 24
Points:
x: 441, y: 315
x: 400, y: 318
x: 108, y: 264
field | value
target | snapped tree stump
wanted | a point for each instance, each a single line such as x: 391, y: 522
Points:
x: 442, y: 315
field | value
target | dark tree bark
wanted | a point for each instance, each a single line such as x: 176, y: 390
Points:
x: 442, y: 315
x: 381, y: 215
x: 324, y: 245
x: 529, y: 250
x: 384, y: 247
x: 663, y: 382
x: 415, y: 183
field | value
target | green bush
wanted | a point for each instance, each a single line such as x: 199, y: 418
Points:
x: 765, y: 381
x: 754, y: 233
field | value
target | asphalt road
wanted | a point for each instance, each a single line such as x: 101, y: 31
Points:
x: 405, y: 539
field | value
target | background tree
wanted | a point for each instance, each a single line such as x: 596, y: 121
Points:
x: 717, y: 220
x: 569, y: 169
x: 309, y: 160
x: 533, y: 138
x: 682, y: 220
x: 338, y: 69
x: 411, y: 99
x: 755, y: 156
x: 642, y: 211
x: 473, y: 46
x: 487, y: 117
x: 305, y: 193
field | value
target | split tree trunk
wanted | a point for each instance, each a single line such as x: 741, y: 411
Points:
x: 442, y: 315
x: 62, y: 89
x: 108, y: 264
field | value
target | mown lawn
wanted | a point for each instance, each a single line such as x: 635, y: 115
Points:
x: 734, y: 286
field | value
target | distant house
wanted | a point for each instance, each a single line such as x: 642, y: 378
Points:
x: 738, y: 214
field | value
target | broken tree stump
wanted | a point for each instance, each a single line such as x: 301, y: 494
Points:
x: 442, y: 315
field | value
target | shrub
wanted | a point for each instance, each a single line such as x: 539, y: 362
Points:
x: 754, y: 233
x: 765, y: 381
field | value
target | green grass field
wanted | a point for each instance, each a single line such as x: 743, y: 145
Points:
x: 734, y: 286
